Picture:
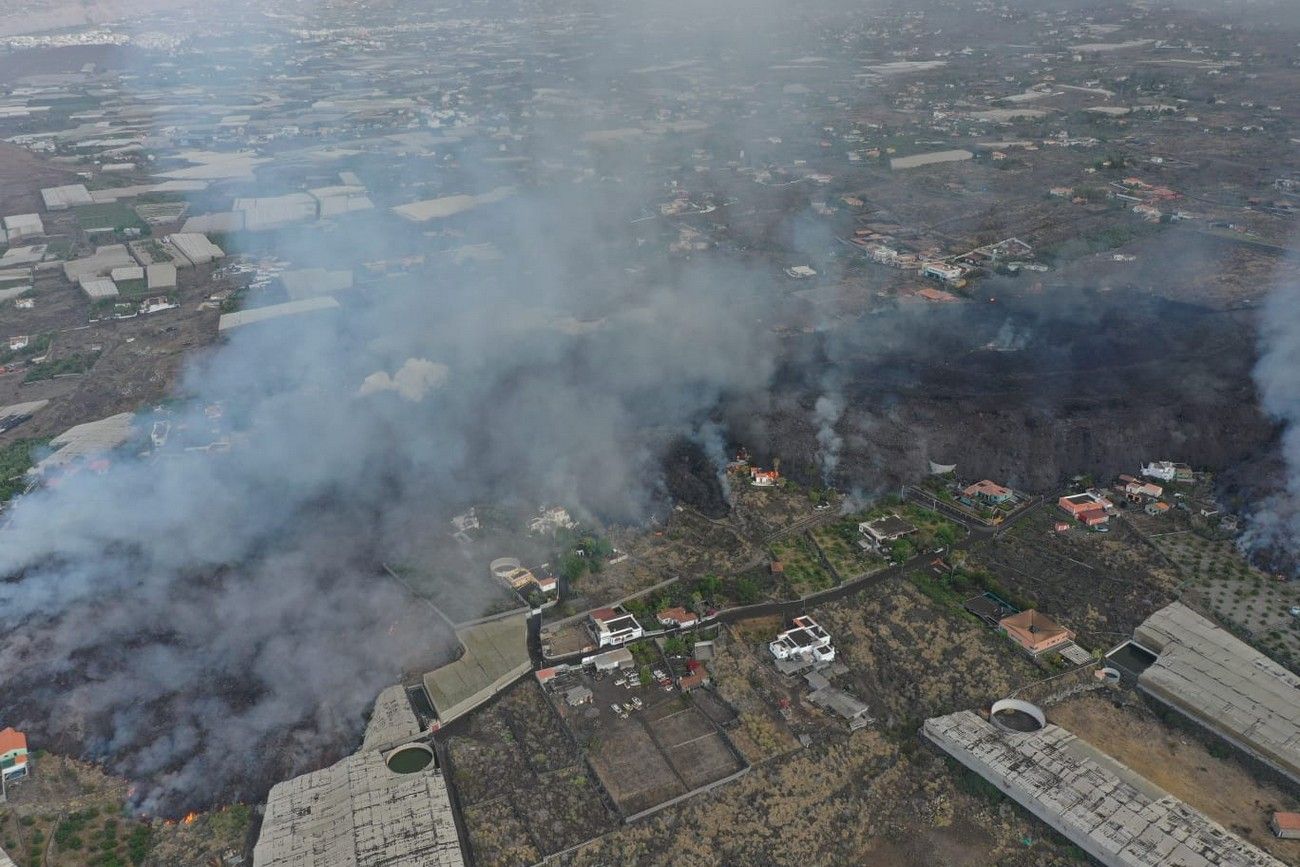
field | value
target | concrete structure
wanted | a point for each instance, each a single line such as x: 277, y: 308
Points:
x: 611, y: 627
x: 805, y: 640
x: 69, y: 196
x: 578, y: 695
x: 276, y: 211
x: 160, y: 277
x: 837, y: 701
x: 86, y: 440
x: 332, y: 201
x: 125, y: 273
x: 101, y: 264
x: 391, y: 722
x: 99, y: 288
x: 1115, y: 815
x: 495, y: 655
x: 5, y: 860
x: 1138, y: 488
x: 194, y: 249
x: 240, y: 318
x: 359, y: 812
x: 1035, y: 632
x: 886, y: 529
x: 310, y: 282
x: 23, y: 226
x: 13, y: 754
x: 1224, y: 684
x: 919, y: 160
x: 1285, y: 825
x: 1162, y: 470
x: 612, y: 659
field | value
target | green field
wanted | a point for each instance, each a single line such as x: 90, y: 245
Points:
x: 114, y: 215
x: 804, y: 572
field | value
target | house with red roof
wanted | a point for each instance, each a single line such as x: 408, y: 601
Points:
x: 13, y: 754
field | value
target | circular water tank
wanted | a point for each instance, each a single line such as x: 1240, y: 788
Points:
x: 502, y: 567
x: 409, y: 759
x: 1109, y: 675
x: 1016, y: 716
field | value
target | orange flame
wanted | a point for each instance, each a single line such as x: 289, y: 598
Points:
x: 189, y: 818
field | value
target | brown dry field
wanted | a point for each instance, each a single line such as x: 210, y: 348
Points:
x: 1223, y: 789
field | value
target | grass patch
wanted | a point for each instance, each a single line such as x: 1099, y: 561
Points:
x: 15, y: 460
x: 804, y: 571
x: 78, y: 362
x: 110, y: 215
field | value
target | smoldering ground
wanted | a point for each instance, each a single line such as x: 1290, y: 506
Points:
x: 207, y: 624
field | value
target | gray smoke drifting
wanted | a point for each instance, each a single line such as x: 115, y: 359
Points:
x: 826, y: 414
x: 1275, y: 522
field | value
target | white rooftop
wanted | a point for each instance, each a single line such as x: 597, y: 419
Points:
x: 357, y: 812
x: 1114, y: 814
x: 86, y: 440
x: 273, y: 311
x: 1224, y: 684
x: 69, y: 196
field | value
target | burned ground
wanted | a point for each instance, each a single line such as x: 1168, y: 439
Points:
x: 1030, y: 390
x: 1101, y: 585
x: 521, y: 782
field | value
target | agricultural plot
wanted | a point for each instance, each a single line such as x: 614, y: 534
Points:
x: 839, y: 544
x: 909, y: 659
x: 525, y: 791
x: 803, y: 568
x: 1246, y: 600
x: 1101, y: 585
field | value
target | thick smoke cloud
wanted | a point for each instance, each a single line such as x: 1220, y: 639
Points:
x: 1275, y: 522
x: 207, y: 623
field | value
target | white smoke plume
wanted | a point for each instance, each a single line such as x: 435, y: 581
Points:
x: 413, y: 380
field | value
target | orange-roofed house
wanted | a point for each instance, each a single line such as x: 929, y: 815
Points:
x: 1036, y: 633
x: 989, y: 492
x: 13, y: 754
x: 677, y: 617
x: 1286, y: 825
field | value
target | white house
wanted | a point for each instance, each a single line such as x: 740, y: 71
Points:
x: 1162, y: 470
x: 943, y: 271
x: 551, y: 520
x: 612, y: 627
x: 805, y: 640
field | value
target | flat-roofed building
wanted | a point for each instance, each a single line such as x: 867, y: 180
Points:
x: 495, y: 656
x: 613, y: 626
x: 100, y: 264
x: 67, y: 196
x: 99, y: 288
x: 888, y: 528
x: 386, y: 805
x: 1223, y: 684
x: 160, y: 276
x: 87, y: 440
x: 240, y: 318
x: 805, y: 641
x: 23, y: 226
x: 195, y: 249
x: 1114, y: 814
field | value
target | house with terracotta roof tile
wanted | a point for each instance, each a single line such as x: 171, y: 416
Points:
x: 1035, y: 632
x: 13, y: 754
